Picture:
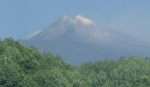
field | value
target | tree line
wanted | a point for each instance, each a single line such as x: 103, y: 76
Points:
x: 26, y: 66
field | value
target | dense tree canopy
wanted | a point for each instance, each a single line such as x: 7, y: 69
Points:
x: 22, y: 66
x: 26, y: 66
x: 131, y: 71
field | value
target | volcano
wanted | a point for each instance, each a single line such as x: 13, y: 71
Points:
x: 80, y: 39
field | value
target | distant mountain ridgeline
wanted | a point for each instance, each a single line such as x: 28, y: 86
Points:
x: 26, y: 66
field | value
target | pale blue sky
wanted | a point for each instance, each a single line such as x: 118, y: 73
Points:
x: 19, y: 18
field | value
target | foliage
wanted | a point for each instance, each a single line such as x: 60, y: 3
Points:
x: 22, y: 66
x: 131, y: 71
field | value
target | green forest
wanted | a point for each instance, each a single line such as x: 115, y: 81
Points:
x: 26, y: 66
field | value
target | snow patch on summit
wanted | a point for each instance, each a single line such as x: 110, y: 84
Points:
x: 83, y: 20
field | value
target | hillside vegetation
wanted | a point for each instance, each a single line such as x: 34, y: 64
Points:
x: 26, y: 66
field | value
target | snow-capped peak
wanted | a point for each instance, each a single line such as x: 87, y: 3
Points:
x: 76, y: 19
x: 61, y: 26
x: 83, y: 20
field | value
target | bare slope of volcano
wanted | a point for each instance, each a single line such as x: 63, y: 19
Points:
x: 80, y: 39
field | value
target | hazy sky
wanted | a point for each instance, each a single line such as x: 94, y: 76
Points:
x: 19, y: 18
